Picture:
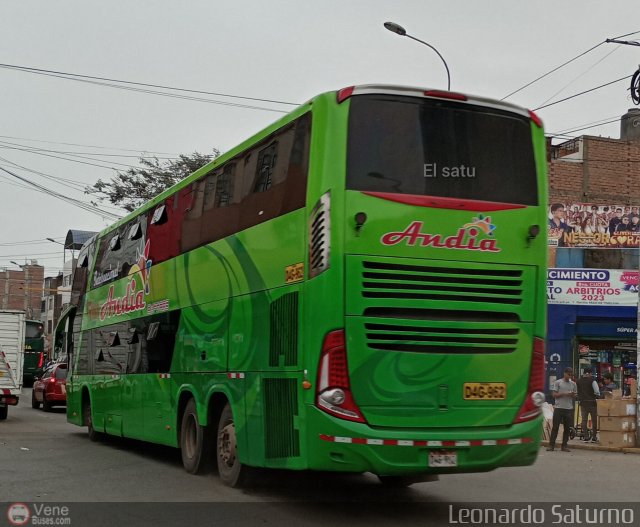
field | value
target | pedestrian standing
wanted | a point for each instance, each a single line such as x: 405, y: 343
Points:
x: 588, y: 392
x: 564, y: 391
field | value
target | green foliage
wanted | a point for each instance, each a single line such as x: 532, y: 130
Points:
x: 130, y: 189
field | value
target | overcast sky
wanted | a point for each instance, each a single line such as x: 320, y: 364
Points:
x: 282, y: 50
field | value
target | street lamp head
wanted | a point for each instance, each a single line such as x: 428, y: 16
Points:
x: 54, y: 241
x: 395, y: 28
x: 15, y: 263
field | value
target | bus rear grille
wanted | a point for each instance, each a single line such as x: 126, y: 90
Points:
x: 424, y: 289
x: 280, y: 408
x: 442, y: 338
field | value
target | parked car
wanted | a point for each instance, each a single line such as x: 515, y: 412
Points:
x: 50, y: 389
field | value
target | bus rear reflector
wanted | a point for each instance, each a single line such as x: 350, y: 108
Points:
x: 333, y: 392
x: 446, y: 95
x: 535, y: 397
x: 345, y: 93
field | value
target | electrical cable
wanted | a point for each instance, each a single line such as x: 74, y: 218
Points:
x: 582, y: 93
x: 563, y: 64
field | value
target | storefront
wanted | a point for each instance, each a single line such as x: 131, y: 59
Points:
x: 592, y: 322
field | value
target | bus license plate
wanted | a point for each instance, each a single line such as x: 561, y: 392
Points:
x: 443, y: 458
x: 477, y: 391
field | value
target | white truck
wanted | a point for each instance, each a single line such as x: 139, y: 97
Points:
x: 12, y: 329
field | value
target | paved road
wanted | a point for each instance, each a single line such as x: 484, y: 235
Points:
x: 43, y: 458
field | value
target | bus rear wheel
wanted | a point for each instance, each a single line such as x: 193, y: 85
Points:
x: 194, y: 441
x: 93, y: 434
x: 232, y: 472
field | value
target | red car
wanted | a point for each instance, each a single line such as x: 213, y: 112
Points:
x: 50, y: 389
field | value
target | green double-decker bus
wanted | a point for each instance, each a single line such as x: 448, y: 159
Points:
x: 359, y: 287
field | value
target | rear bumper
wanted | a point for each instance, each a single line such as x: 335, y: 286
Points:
x: 340, y: 445
x: 57, y: 397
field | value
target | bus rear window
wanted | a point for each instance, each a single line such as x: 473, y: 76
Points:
x: 439, y: 148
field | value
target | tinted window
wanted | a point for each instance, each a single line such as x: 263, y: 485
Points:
x: 438, y: 148
x: 34, y: 330
x: 61, y: 372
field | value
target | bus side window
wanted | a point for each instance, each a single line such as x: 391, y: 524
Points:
x: 160, y: 341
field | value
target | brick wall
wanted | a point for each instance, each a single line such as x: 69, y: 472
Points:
x: 609, y: 173
x: 22, y: 290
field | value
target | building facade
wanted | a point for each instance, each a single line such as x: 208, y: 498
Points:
x: 22, y: 289
x: 594, y: 237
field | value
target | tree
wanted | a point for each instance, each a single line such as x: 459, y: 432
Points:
x: 130, y: 189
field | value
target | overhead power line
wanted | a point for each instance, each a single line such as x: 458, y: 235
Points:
x: 72, y: 201
x: 582, y: 93
x: 563, y: 65
x: 122, y: 84
x: 139, y: 150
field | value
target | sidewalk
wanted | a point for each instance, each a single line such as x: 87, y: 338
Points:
x: 576, y: 444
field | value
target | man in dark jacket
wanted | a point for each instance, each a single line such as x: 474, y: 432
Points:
x: 588, y: 392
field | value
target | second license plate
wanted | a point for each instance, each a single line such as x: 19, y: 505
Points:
x: 443, y: 458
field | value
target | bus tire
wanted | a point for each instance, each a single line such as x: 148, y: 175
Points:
x: 232, y: 473
x: 4, y: 410
x: 92, y: 433
x: 35, y: 404
x: 195, y: 443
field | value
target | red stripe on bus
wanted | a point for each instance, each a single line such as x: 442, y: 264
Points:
x: 445, y: 203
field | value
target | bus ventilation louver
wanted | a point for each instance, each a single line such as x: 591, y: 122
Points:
x: 282, y: 438
x: 283, y: 339
x: 319, y: 236
x: 468, y: 291
x: 441, y: 337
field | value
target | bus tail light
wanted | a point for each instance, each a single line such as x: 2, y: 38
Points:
x: 535, y: 397
x: 41, y: 360
x: 333, y: 392
x: 446, y: 95
x: 345, y: 93
x: 536, y: 120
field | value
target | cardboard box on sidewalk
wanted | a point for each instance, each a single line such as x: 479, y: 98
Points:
x: 618, y: 424
x: 616, y: 407
x: 617, y: 439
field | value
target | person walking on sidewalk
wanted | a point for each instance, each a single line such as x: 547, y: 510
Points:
x: 564, y: 392
x: 588, y: 392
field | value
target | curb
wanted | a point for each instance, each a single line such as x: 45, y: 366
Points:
x: 578, y: 446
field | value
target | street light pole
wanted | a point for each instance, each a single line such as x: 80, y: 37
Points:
x: 64, y: 250
x: 399, y: 30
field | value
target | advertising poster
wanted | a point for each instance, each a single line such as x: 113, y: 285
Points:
x: 594, y: 287
x: 593, y: 225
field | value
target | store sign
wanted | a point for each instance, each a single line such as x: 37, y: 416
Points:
x: 593, y: 287
x: 593, y: 225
